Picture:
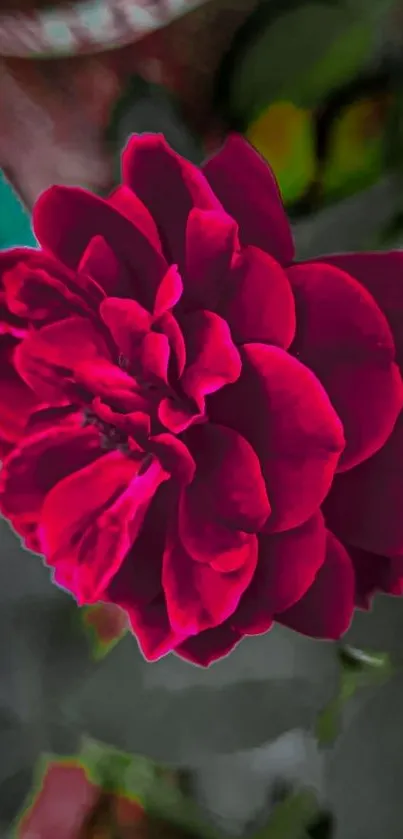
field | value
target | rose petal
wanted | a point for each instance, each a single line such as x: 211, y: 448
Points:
x: 226, y: 500
x: 327, y: 608
x: 127, y: 322
x: 212, y: 360
x: 153, y: 360
x: 152, y: 629
x: 244, y: 183
x: 100, y: 263
x: 211, y: 241
x: 40, y: 462
x: 345, y: 339
x: 17, y: 400
x: 169, y: 292
x: 169, y: 186
x: 280, y: 407
x: 46, y: 358
x: 129, y: 205
x: 199, y: 597
x: 373, y: 574
x: 209, y: 646
x: 174, y: 457
x: 65, y: 802
x: 287, y: 566
x: 67, y: 218
x: 170, y: 327
x: 261, y: 307
x: 382, y: 275
x: 93, y: 517
x: 364, y: 506
x: 138, y: 581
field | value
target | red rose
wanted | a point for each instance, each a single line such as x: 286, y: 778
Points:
x: 217, y: 438
x: 71, y: 806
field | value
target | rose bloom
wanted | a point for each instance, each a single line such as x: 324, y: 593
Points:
x: 69, y: 804
x: 196, y: 428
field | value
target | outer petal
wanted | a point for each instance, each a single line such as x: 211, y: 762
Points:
x: 280, y: 407
x: 55, y: 359
x: 169, y: 186
x: 93, y: 517
x: 382, y: 275
x: 248, y: 190
x: 211, y: 242
x: 260, y: 305
x: 345, y: 339
x: 17, y: 400
x: 374, y: 574
x: 40, y: 462
x: 199, y: 597
x: 364, y: 507
x: 287, y: 566
x: 327, y: 608
x: 209, y: 646
x: 225, y: 501
x: 152, y: 629
x: 137, y: 586
x: 67, y: 218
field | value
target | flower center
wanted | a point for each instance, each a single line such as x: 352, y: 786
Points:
x: 110, y: 436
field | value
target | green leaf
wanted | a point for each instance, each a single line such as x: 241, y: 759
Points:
x: 356, y: 154
x: 358, y: 669
x: 300, y: 56
x: 153, y: 785
x: 291, y: 817
x: 285, y: 136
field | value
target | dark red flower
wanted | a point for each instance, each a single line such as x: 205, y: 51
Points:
x: 217, y: 432
x: 70, y: 805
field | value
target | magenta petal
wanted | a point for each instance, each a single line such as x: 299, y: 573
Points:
x: 46, y: 358
x: 67, y: 218
x: 260, y: 307
x: 212, y: 360
x: 364, y: 506
x: 169, y: 186
x: 228, y: 488
x: 40, y: 462
x: 281, y: 408
x: 138, y: 581
x: 153, y: 359
x: 129, y: 205
x: 174, y: 457
x: 17, y: 400
x: 169, y: 326
x: 381, y: 274
x: 127, y: 322
x: 198, y: 597
x: 92, y: 518
x: 327, y: 608
x: 287, y: 566
x: 246, y: 186
x: 101, y: 263
x: 169, y: 292
x: 345, y: 339
x: 209, y: 646
x: 211, y: 242
x: 152, y: 629
x: 374, y: 573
